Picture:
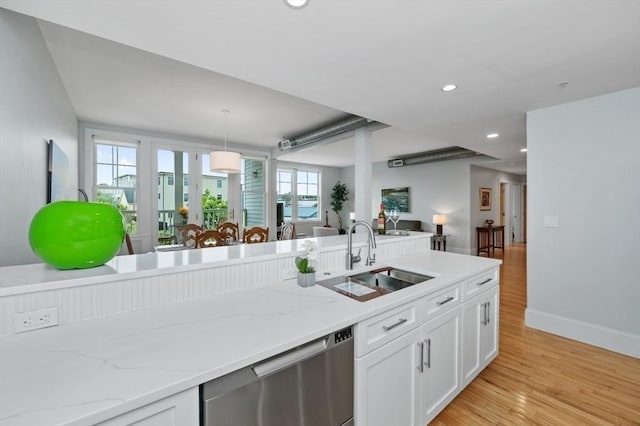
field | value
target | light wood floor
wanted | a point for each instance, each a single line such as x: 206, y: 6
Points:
x: 540, y: 378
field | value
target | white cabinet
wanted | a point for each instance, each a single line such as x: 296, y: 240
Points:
x: 412, y: 378
x: 181, y: 409
x: 440, y: 379
x: 388, y: 383
x: 480, y: 333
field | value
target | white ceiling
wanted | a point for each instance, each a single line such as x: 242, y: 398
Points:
x: 385, y: 60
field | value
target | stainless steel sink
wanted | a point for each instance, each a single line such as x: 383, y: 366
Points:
x: 371, y: 284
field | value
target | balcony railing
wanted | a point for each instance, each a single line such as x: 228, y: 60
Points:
x: 168, y: 218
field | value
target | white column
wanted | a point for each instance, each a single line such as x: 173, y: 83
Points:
x: 363, y: 174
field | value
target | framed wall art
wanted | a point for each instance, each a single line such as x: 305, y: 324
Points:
x: 396, y: 198
x: 485, y: 199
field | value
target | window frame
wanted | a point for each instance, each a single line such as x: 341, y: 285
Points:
x: 295, y: 214
x: 107, y: 141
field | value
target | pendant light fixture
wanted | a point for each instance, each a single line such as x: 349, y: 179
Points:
x: 225, y: 161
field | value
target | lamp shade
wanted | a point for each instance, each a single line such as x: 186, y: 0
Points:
x: 225, y: 161
x: 439, y: 219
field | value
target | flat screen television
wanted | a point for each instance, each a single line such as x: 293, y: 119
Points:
x: 279, y: 214
x: 58, y: 179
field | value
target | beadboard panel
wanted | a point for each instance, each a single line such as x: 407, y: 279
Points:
x: 101, y: 300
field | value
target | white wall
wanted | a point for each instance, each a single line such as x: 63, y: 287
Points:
x: 34, y: 107
x: 584, y: 167
x: 487, y: 178
x: 441, y: 187
x: 448, y: 187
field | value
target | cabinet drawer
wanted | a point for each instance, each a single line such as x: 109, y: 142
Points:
x: 479, y: 283
x: 376, y: 331
x: 441, y: 301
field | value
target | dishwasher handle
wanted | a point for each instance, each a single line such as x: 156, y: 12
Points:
x: 290, y: 358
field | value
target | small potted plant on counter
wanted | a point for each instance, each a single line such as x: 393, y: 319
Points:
x: 306, y: 271
x: 339, y: 194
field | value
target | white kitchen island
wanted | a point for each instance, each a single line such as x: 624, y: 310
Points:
x: 126, y: 357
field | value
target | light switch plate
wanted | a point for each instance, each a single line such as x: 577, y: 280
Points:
x: 551, y: 221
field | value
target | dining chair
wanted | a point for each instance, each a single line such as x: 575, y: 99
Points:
x: 127, y: 239
x: 229, y: 229
x: 190, y: 233
x: 210, y: 238
x: 321, y: 231
x: 257, y: 234
x: 288, y: 231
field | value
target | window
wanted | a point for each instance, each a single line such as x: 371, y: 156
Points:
x: 116, y: 180
x: 186, y: 181
x: 170, y: 180
x: 253, y: 192
x: 219, y: 183
x: 303, y: 187
x: 185, y: 198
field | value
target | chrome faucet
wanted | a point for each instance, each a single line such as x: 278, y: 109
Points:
x: 371, y: 255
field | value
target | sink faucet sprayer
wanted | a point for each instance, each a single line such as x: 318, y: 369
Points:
x: 371, y: 254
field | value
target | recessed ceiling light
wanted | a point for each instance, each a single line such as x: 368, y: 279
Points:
x: 449, y: 88
x: 523, y: 150
x: 492, y: 135
x: 296, y: 4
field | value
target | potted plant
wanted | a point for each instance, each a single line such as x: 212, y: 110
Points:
x: 184, y: 214
x: 306, y: 271
x: 339, y: 194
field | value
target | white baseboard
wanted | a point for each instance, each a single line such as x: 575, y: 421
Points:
x: 603, y: 337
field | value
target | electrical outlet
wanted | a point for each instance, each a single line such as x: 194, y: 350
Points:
x: 34, y: 320
x: 288, y: 273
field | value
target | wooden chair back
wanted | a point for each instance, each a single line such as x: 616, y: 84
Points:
x: 229, y: 229
x: 288, y: 231
x: 190, y: 233
x: 210, y: 238
x: 257, y: 234
x: 128, y: 241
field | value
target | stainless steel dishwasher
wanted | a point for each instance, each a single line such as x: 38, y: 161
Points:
x: 311, y: 385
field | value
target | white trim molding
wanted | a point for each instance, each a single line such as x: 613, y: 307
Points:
x: 603, y: 337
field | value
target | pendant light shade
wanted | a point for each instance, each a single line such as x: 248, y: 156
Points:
x: 225, y: 161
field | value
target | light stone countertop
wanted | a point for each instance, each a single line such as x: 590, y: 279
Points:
x: 39, y: 276
x: 90, y: 371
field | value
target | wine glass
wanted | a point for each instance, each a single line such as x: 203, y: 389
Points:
x: 394, y: 216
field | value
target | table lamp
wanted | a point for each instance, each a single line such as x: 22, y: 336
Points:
x: 439, y: 220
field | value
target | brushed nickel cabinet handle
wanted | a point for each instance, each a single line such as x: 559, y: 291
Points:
x: 391, y: 327
x: 428, y: 363
x: 447, y: 300
x: 485, y: 281
x: 420, y: 366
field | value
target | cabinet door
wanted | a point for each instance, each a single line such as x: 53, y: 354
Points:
x: 440, y: 381
x: 489, y: 328
x: 479, y: 333
x: 181, y: 409
x: 387, y: 383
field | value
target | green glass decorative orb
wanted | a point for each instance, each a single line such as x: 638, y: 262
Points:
x: 76, y: 234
